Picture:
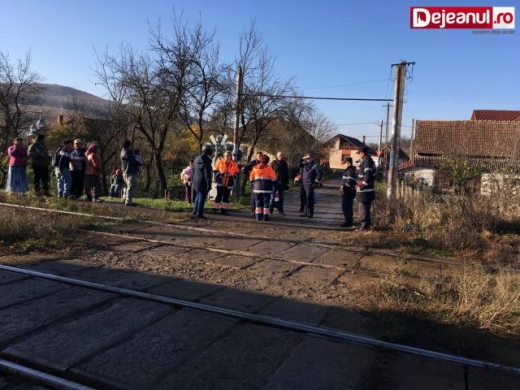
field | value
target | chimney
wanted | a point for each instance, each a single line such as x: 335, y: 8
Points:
x: 364, y: 138
x: 60, y: 119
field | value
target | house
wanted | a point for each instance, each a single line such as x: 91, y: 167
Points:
x: 385, y: 157
x: 495, y: 115
x: 488, y: 143
x: 343, y: 146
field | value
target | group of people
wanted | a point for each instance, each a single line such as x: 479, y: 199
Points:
x: 270, y: 181
x: 358, y: 185
x: 77, y: 169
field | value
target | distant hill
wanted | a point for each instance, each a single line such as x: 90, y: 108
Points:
x: 60, y: 100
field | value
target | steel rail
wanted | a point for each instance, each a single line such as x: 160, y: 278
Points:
x: 42, y: 377
x: 273, y: 321
x: 59, y: 211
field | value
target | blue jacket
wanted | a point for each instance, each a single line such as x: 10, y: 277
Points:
x: 64, y: 158
x: 311, y: 173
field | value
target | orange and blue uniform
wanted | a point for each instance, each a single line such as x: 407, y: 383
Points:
x: 226, y: 170
x: 263, y: 178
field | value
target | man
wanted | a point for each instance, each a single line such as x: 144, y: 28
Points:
x: 77, y: 170
x: 62, y: 170
x: 39, y: 154
x: 202, y: 180
x: 348, y: 188
x: 311, y: 177
x: 130, y: 167
x: 365, y: 193
x: 281, y: 170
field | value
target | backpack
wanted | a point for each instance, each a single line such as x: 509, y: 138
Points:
x: 56, y: 158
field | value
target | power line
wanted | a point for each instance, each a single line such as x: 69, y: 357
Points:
x: 356, y: 124
x: 347, y: 85
x: 315, y: 97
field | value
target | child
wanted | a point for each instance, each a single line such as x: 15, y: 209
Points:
x: 139, y: 158
x: 116, y: 183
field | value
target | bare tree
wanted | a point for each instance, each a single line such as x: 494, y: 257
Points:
x: 152, y: 89
x: 19, y: 87
x: 135, y: 83
x: 265, y: 95
x: 205, y: 89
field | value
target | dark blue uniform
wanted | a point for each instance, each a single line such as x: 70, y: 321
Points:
x: 348, y: 183
x: 311, y: 176
x: 365, y: 193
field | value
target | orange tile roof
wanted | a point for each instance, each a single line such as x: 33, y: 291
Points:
x: 495, y: 115
x: 468, y: 138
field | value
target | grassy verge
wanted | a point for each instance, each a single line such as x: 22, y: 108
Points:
x: 462, y: 225
x: 23, y: 229
x: 458, y: 312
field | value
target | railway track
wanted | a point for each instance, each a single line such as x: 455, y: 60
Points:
x: 155, y: 305
x: 41, y: 350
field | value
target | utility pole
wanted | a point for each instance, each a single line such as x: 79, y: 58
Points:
x: 236, y: 146
x: 412, y: 137
x: 387, y: 121
x: 396, y: 126
x: 379, y: 152
x: 386, y: 136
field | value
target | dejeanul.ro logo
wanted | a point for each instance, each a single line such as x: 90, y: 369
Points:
x: 481, y: 18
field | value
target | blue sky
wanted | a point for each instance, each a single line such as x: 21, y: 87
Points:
x: 334, y: 48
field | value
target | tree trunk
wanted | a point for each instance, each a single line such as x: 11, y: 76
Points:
x: 245, y: 178
x: 160, y: 171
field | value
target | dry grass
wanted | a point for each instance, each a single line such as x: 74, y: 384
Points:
x: 470, y: 225
x: 23, y: 229
x: 474, y: 299
x: 485, y: 296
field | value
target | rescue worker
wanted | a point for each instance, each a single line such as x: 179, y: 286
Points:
x: 262, y: 178
x: 348, y: 189
x: 247, y: 171
x: 226, y: 172
x: 311, y: 177
x: 365, y: 192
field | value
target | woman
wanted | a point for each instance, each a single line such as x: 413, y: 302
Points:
x: 226, y: 171
x: 186, y: 177
x: 92, y: 172
x: 17, y: 176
